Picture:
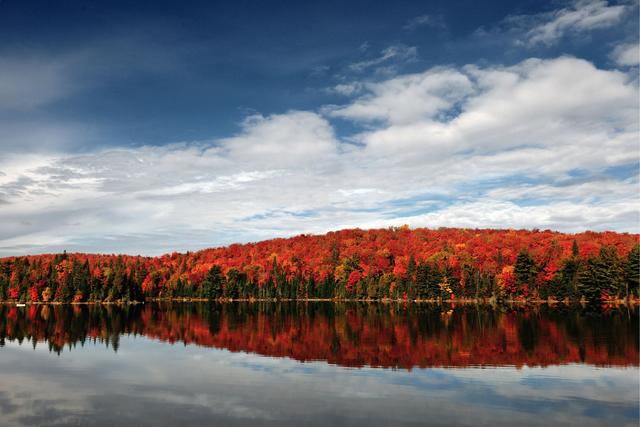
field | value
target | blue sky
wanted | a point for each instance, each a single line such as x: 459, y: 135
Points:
x: 156, y: 127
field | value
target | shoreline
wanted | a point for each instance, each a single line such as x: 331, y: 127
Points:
x: 462, y: 301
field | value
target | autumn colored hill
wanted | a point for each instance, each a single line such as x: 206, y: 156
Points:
x: 396, y: 263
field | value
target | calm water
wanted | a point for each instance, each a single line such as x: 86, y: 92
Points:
x: 317, y: 364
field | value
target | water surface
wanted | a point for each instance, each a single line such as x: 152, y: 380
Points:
x: 317, y: 364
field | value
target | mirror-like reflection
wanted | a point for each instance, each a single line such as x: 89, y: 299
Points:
x: 351, y: 335
x: 317, y: 364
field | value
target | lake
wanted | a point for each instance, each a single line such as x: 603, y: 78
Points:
x: 317, y: 364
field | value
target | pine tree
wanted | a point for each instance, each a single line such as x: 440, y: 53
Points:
x: 213, y: 283
x: 422, y: 281
x: 632, y: 271
x: 604, y: 274
x: 525, y: 272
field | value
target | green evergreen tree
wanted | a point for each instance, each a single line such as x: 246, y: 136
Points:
x: 632, y: 272
x: 422, y: 281
x: 603, y: 274
x: 213, y: 283
x: 525, y: 272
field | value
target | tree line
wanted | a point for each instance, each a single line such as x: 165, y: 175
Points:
x: 396, y: 263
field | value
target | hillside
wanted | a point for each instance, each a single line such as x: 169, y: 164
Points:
x: 396, y: 263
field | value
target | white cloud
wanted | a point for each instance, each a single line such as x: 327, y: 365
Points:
x: 581, y: 16
x: 523, y: 116
x: 627, y: 54
x: 391, y: 54
x: 406, y: 99
x: 346, y: 89
x: 570, y: 188
x: 176, y: 190
x: 296, y: 138
x: 495, y: 213
x: 528, y: 145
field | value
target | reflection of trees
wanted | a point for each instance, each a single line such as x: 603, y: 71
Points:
x: 346, y: 334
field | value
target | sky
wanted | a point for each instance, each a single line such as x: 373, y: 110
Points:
x: 154, y: 127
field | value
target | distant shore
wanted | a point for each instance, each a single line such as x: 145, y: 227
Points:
x: 462, y: 301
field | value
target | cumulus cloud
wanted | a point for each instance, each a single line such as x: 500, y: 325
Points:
x: 627, y: 54
x: 526, y: 145
x: 293, y: 139
x: 522, y: 115
x: 406, y: 99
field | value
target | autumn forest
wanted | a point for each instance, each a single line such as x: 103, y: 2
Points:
x: 396, y: 263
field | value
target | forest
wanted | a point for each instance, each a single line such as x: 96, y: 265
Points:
x: 397, y: 263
